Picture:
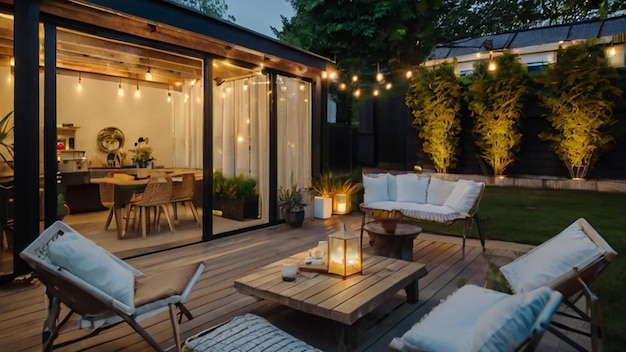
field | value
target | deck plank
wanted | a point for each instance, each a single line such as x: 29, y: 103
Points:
x: 215, y: 300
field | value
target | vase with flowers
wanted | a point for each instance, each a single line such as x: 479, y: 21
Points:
x: 142, y: 153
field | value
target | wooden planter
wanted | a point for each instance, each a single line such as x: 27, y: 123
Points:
x: 238, y: 208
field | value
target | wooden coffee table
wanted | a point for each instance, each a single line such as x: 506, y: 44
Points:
x: 395, y: 245
x: 330, y: 296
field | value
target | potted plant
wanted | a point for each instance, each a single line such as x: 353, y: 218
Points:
x: 142, y: 155
x: 235, y: 197
x: 290, y: 202
x: 323, y: 186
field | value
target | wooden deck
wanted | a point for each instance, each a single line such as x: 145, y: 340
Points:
x: 214, y: 299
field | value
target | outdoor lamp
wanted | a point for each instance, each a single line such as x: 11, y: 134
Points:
x: 344, y: 253
x: 341, y: 204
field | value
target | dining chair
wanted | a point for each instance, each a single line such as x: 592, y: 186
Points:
x: 156, y: 195
x: 107, y: 200
x: 182, y: 193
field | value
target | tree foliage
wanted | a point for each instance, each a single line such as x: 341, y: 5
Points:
x: 579, y: 94
x: 359, y: 34
x: 215, y: 8
x: 434, y: 98
x: 472, y: 18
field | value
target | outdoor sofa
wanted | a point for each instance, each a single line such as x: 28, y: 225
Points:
x: 424, y: 198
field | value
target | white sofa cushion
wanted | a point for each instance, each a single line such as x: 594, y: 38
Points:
x: 375, y: 188
x: 438, y: 191
x: 549, y: 262
x: 427, y: 212
x: 92, y: 264
x: 477, y: 319
x: 411, y: 188
x: 463, y: 195
x: 392, y: 187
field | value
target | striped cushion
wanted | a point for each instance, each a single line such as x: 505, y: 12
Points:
x: 245, y: 333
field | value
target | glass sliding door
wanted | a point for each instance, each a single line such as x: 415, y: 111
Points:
x: 7, y: 64
x: 127, y: 112
x: 240, y: 147
x: 293, y: 99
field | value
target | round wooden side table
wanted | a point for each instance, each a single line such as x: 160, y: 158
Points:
x: 397, y: 245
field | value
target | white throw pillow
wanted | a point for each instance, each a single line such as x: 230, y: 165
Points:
x: 509, y: 322
x: 375, y: 188
x: 91, y: 263
x: 463, y: 195
x: 412, y: 188
x: 551, y: 260
x: 438, y: 191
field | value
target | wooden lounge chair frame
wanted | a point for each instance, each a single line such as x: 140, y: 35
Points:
x: 574, y: 285
x: 97, y: 309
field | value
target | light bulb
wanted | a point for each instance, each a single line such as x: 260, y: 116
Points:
x: 149, y: 75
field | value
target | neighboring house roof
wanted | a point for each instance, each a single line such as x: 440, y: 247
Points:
x: 601, y: 29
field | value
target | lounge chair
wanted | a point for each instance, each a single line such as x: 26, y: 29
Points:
x: 568, y: 263
x: 479, y: 319
x: 101, y: 288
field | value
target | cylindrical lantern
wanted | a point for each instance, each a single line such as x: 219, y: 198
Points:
x: 344, y: 253
x: 341, y: 203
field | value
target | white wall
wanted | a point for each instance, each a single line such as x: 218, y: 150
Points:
x: 98, y: 105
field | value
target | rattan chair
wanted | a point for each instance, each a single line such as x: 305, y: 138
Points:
x: 103, y: 289
x: 156, y: 195
x: 182, y: 192
x: 107, y: 200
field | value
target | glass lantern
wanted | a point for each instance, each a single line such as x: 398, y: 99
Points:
x: 344, y: 253
x: 341, y: 203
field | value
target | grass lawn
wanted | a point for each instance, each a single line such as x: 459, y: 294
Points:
x: 533, y: 216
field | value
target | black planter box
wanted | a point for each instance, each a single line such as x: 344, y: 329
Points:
x: 238, y: 208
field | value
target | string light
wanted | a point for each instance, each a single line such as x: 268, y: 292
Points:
x: 79, y: 87
x: 137, y: 92
x: 120, y: 91
x: 492, y: 64
x: 379, y: 76
x: 408, y: 74
x: 376, y: 92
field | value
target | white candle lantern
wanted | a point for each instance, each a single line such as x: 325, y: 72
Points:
x: 344, y: 253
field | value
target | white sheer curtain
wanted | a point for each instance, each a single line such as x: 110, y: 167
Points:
x: 240, y: 130
x: 187, y: 122
x: 294, y: 131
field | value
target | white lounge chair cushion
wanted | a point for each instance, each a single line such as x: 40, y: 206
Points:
x: 249, y: 333
x: 509, y: 322
x: 92, y: 264
x: 464, y: 195
x: 477, y: 319
x: 375, y: 188
x: 411, y: 188
x: 438, y: 191
x: 549, y: 262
